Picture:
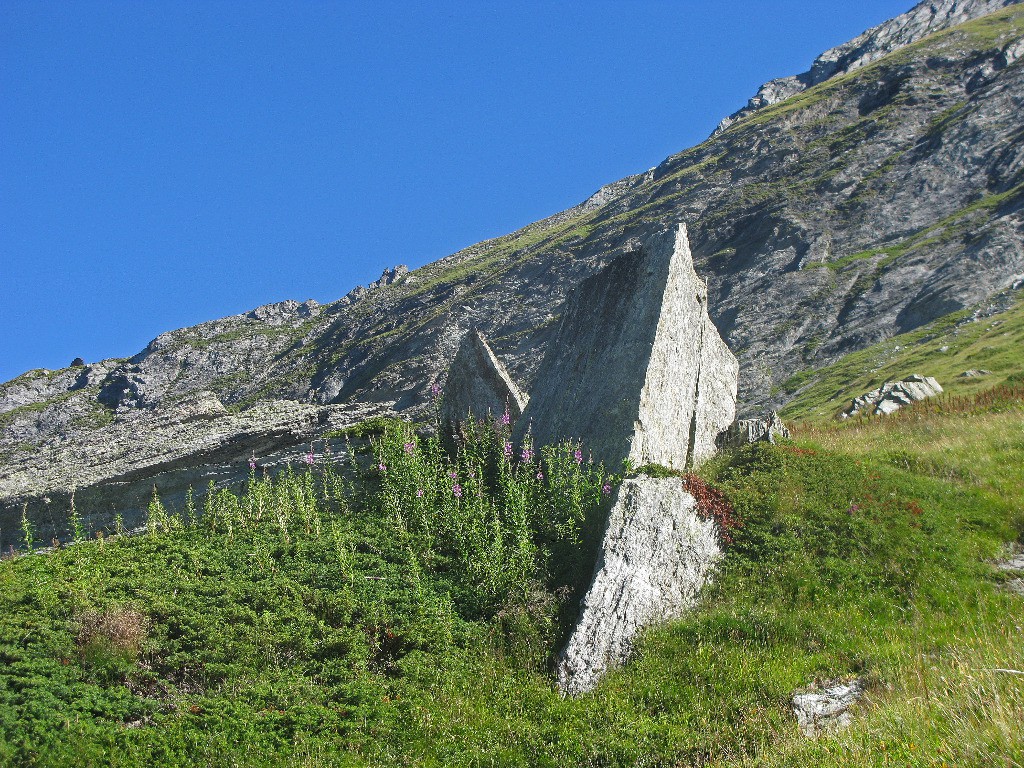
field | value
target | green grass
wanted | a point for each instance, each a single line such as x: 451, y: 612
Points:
x: 995, y: 344
x: 332, y: 639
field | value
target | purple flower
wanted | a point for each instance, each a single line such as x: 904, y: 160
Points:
x: 578, y: 455
x: 382, y: 467
x: 252, y: 463
x: 435, y: 389
x: 506, y: 417
x: 453, y: 475
x: 457, y: 491
x: 540, y: 475
x: 508, y: 450
x: 310, y: 459
x: 419, y: 493
x: 410, y: 447
x: 606, y: 489
x: 527, y: 454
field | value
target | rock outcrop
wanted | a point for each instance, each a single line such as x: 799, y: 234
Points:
x: 893, y: 395
x: 636, y: 370
x: 742, y: 432
x: 478, y: 384
x: 656, y: 555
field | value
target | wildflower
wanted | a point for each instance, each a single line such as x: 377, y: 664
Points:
x: 435, y: 390
x: 606, y: 489
x: 410, y: 447
x: 382, y: 467
x: 310, y: 459
x: 540, y: 475
x: 508, y: 450
x: 252, y: 462
x: 457, y: 491
x: 578, y: 455
x: 472, y: 473
x: 419, y: 493
x: 453, y: 475
x: 506, y: 417
x: 527, y: 454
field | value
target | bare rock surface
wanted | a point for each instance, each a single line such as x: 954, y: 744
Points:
x: 893, y: 395
x: 826, y: 708
x: 478, y: 384
x: 768, y: 429
x: 656, y: 555
x: 636, y: 369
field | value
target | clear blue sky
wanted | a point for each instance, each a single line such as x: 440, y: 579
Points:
x: 167, y: 163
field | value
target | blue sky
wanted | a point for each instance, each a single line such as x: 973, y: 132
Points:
x: 167, y: 163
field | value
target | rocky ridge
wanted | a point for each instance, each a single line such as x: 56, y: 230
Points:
x: 861, y: 207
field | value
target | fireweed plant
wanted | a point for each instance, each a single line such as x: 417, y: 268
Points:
x: 494, y: 518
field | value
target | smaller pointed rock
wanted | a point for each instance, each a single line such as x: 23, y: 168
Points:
x: 478, y: 384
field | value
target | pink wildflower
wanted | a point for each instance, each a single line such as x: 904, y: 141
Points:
x: 578, y: 455
x: 527, y: 454
x: 453, y: 475
x: 457, y: 491
x: 252, y: 462
x: 410, y: 447
x: 310, y: 459
x: 382, y: 467
x: 606, y: 489
x: 435, y: 389
x: 540, y: 475
x: 419, y: 493
x: 506, y: 417
x: 508, y: 450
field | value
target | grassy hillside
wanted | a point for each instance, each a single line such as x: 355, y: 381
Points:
x: 322, y: 621
x: 944, y: 349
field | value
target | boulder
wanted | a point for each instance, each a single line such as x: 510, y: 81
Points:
x: 636, y: 369
x: 478, y: 384
x: 974, y: 373
x: 746, y: 431
x: 826, y: 708
x: 656, y: 555
x: 893, y: 395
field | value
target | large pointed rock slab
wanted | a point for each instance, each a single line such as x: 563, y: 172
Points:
x: 656, y: 555
x: 478, y: 384
x: 637, y: 370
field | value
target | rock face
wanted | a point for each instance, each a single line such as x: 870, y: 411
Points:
x: 893, y: 395
x: 656, y: 555
x: 636, y: 369
x: 746, y: 431
x: 478, y: 384
x: 827, y: 708
x: 922, y: 20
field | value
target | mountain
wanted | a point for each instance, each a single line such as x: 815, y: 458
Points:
x: 878, y: 192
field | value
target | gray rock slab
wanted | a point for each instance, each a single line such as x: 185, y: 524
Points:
x: 478, y: 384
x: 637, y: 370
x: 826, y: 708
x: 656, y: 555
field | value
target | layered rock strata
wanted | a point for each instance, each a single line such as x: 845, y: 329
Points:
x: 637, y: 371
x: 478, y: 384
x: 656, y: 555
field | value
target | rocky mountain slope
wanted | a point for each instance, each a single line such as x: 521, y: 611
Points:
x: 877, y: 193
